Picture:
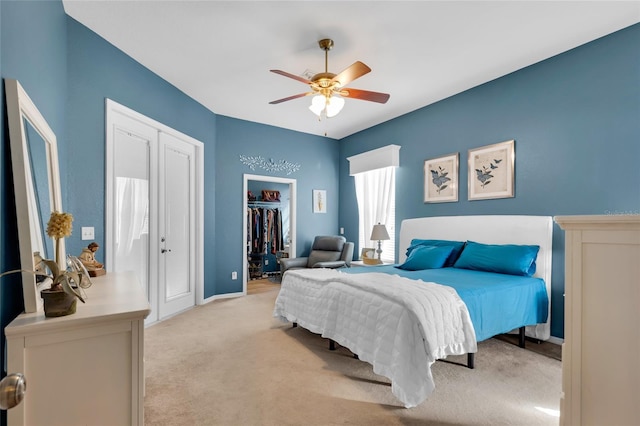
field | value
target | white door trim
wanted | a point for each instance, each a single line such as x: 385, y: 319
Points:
x: 292, y: 217
x: 111, y: 109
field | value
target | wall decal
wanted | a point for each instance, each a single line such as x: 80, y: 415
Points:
x: 269, y: 164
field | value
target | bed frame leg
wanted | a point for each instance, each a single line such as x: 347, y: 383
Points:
x: 295, y: 324
x: 471, y: 361
x: 332, y: 345
x: 521, y: 337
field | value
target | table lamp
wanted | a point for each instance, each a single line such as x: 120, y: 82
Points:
x: 379, y: 233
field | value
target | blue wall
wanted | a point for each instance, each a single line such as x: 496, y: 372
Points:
x: 98, y: 70
x: 576, y: 122
x: 574, y: 118
x: 33, y: 51
x: 318, y: 160
x: 69, y: 71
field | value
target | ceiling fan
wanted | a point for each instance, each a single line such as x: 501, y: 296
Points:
x: 330, y: 88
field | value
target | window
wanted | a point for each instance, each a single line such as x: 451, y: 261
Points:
x: 375, y: 180
x: 376, y: 194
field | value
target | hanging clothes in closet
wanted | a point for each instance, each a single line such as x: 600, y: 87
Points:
x: 264, y: 230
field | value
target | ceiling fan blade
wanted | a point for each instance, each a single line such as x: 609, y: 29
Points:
x: 299, y: 95
x: 365, y: 95
x: 356, y: 70
x: 295, y: 77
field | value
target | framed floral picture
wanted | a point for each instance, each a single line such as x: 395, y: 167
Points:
x: 491, y: 171
x: 441, y: 179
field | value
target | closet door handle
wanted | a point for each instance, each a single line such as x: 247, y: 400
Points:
x: 164, y: 251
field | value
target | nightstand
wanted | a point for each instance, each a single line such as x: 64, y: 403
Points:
x: 358, y: 263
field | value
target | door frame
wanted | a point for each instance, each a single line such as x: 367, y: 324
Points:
x: 245, y: 204
x: 112, y: 109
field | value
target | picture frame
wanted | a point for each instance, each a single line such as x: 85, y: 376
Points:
x: 319, y: 201
x: 367, y: 253
x: 491, y: 171
x: 441, y: 176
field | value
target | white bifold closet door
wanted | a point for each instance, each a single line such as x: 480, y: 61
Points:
x: 177, y: 221
x: 152, y: 205
x: 134, y: 144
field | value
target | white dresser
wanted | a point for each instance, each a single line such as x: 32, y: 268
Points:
x: 601, y: 350
x: 86, y: 368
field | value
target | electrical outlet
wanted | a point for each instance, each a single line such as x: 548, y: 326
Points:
x: 234, y: 275
x: 266, y: 262
x: 88, y: 233
x: 341, y: 231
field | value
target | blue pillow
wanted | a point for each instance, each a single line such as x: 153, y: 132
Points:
x: 456, y: 248
x: 426, y: 257
x: 505, y: 259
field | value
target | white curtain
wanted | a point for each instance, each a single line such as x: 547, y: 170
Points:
x: 132, y: 204
x: 376, y: 194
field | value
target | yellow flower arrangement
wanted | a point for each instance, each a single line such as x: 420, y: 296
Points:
x: 59, y: 227
x: 69, y: 281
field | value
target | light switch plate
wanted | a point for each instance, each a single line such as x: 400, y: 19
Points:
x: 88, y: 233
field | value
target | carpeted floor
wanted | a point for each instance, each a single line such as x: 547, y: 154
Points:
x: 231, y: 363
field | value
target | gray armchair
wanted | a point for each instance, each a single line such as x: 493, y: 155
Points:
x: 326, y: 252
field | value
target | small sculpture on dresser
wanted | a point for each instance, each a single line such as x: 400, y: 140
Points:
x: 88, y: 259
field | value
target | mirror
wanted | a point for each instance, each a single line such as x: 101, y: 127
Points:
x: 36, y: 180
x: 39, y: 195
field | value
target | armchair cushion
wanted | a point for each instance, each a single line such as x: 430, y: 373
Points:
x: 293, y: 263
x: 326, y: 252
x: 332, y: 265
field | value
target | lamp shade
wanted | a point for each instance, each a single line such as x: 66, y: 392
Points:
x: 379, y: 233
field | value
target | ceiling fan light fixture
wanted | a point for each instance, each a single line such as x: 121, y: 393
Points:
x: 329, y: 105
x: 318, y: 104
x: 326, y: 85
x: 334, y: 106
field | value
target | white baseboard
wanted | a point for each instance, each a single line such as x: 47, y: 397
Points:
x: 221, y: 296
x: 555, y: 340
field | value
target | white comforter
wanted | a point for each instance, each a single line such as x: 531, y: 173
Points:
x: 398, y: 325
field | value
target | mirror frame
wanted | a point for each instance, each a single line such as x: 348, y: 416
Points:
x: 20, y: 107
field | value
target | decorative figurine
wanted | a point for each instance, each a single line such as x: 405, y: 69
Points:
x: 88, y: 259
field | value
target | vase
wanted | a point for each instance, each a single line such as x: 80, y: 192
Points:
x: 58, y: 303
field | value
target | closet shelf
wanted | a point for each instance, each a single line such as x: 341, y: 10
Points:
x: 263, y: 203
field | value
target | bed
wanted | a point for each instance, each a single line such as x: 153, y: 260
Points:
x: 401, y: 321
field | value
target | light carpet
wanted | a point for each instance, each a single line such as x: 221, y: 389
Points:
x: 230, y: 363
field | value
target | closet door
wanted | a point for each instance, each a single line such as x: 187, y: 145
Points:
x: 132, y: 195
x: 155, y: 209
x: 177, y: 226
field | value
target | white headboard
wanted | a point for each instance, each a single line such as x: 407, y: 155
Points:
x: 494, y: 229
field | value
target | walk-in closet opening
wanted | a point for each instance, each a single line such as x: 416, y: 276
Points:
x: 269, y: 225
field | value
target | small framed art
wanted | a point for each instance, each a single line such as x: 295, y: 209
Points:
x: 491, y: 171
x: 367, y: 253
x: 319, y: 201
x: 441, y: 179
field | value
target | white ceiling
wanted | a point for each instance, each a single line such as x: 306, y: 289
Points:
x: 220, y: 52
